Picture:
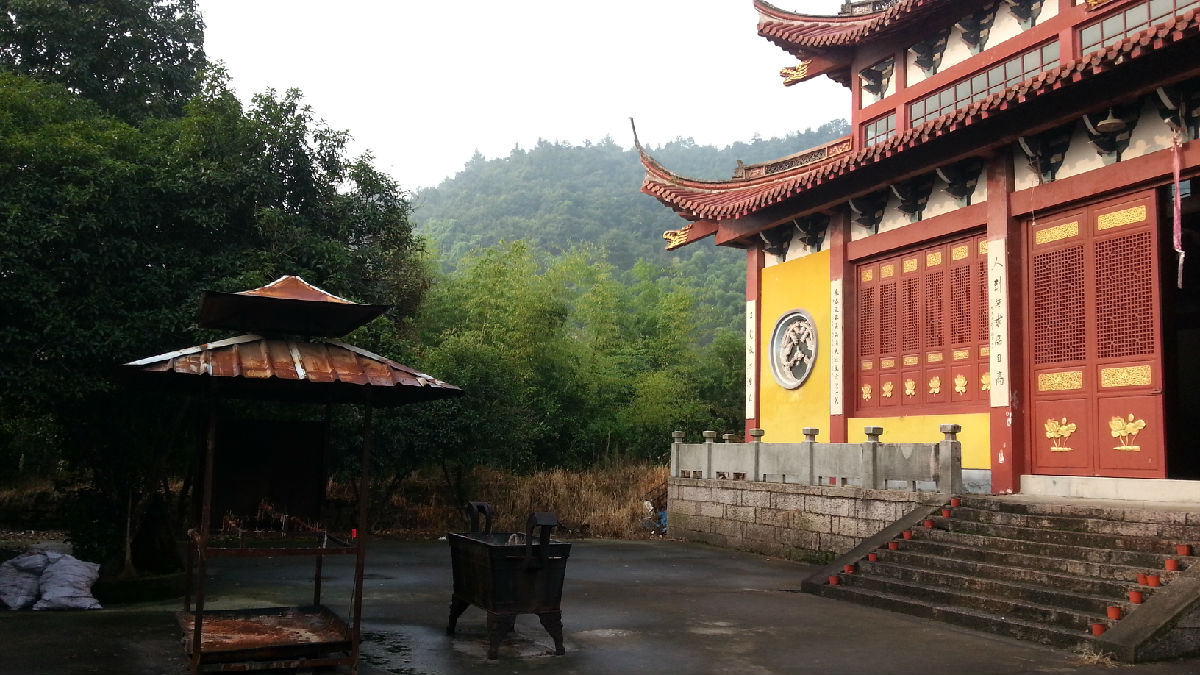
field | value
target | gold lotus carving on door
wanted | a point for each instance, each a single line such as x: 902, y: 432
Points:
x: 1058, y: 431
x: 1126, y: 430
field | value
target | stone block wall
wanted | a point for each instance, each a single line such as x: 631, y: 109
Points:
x: 802, y: 522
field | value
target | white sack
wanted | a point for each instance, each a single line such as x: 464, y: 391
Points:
x: 19, y: 579
x: 67, y: 584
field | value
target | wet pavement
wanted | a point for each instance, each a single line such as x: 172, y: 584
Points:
x: 629, y: 608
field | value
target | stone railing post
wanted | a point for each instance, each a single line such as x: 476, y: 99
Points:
x: 870, y: 448
x: 708, y: 450
x: 949, y: 464
x: 810, y: 440
x: 676, y: 441
x: 728, y: 438
x: 756, y: 434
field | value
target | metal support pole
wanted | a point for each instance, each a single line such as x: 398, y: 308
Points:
x: 210, y: 450
x: 364, y: 498
x: 325, y: 426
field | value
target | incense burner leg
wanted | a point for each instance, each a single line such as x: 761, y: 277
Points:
x: 498, y: 625
x: 552, y: 622
x: 457, y: 607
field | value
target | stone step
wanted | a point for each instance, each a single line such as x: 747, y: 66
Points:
x: 1020, y: 567
x: 1094, y: 601
x: 1053, y: 536
x: 1004, y: 572
x: 1149, y: 561
x: 1161, y: 534
x: 960, y: 616
x: 1051, y: 615
x: 1035, y: 571
x: 1175, y: 527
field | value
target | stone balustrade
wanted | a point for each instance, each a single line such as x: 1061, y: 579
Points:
x: 870, y: 464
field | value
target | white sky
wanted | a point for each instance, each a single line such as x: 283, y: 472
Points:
x: 422, y: 85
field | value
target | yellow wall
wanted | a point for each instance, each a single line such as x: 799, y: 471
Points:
x: 797, y: 284
x: 804, y: 284
x: 975, y: 437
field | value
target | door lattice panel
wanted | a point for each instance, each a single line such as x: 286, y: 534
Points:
x: 866, y: 321
x: 981, y: 324
x: 960, y: 305
x: 887, y: 319
x: 1059, y: 333
x: 1124, y: 297
x: 933, y: 309
x: 910, y: 312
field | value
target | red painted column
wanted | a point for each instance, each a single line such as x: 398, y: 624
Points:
x: 840, y: 308
x: 755, y: 259
x: 1005, y: 291
x: 900, y: 75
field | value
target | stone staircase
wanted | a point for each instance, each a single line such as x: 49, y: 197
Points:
x: 1046, y: 571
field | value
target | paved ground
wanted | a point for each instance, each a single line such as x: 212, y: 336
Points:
x: 629, y: 608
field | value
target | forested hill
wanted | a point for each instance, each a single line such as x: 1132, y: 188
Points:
x: 556, y: 195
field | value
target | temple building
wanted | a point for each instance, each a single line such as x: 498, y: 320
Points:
x: 999, y: 243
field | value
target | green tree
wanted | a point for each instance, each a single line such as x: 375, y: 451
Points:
x: 132, y: 57
x: 109, y: 231
x: 566, y: 362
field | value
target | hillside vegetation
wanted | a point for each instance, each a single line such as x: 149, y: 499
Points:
x: 556, y: 196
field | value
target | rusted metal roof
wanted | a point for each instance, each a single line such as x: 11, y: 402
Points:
x: 254, y: 366
x: 287, y: 306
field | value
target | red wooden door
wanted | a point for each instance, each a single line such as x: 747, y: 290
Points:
x: 1095, y: 338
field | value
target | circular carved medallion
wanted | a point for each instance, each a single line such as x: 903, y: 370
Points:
x: 793, y: 348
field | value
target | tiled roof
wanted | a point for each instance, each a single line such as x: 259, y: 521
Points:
x: 802, y: 35
x: 732, y: 199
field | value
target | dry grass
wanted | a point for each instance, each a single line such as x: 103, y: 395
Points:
x: 27, y: 492
x: 601, y: 502
x: 1087, y: 655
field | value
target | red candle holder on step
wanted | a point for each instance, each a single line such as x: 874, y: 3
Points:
x: 1183, y: 549
x: 946, y: 513
x: 955, y: 502
x: 907, y: 534
x: 848, y: 569
x: 1114, y: 612
x: 928, y: 524
x: 1171, y: 565
x: 1141, y: 578
x: 1098, y: 629
x: 834, y: 580
x: 1135, y: 597
x: 872, y: 557
x: 893, y: 546
x: 1153, y: 581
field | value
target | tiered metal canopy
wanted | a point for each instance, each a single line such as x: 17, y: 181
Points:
x: 290, y: 356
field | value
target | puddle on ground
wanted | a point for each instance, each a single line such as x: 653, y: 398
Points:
x: 515, y: 645
x: 714, y: 628
x: 603, y: 633
x: 388, y: 651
